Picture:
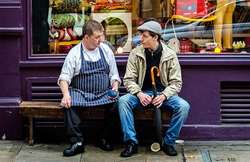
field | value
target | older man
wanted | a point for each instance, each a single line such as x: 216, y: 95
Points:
x: 88, y: 73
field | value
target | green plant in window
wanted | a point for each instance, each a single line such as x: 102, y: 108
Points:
x: 63, y: 20
x: 66, y: 6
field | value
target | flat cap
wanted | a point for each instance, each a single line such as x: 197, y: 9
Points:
x: 152, y: 26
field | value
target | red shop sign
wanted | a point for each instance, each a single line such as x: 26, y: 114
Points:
x: 191, y: 8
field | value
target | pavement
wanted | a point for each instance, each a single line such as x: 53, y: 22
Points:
x: 191, y: 151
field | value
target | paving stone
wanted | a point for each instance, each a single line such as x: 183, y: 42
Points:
x: 230, y: 156
x: 161, y: 156
x: 93, y: 154
x: 164, y: 158
x: 44, y: 153
x: 6, y: 156
x: 11, y: 146
x: 193, y: 156
x: 229, y: 151
x: 9, y: 150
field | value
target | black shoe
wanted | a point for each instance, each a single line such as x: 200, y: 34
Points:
x: 131, y: 148
x: 169, y: 150
x: 74, y: 149
x: 105, y: 145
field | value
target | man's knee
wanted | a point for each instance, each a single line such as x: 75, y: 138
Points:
x: 184, y: 107
x: 179, y: 106
x: 123, y: 99
x: 126, y: 102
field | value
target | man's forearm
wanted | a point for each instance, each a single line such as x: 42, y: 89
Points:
x: 64, y: 87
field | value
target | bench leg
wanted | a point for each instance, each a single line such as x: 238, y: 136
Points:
x: 31, y: 141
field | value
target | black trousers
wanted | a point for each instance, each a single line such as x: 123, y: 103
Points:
x: 72, y: 122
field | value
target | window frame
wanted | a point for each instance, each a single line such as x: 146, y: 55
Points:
x: 210, y: 58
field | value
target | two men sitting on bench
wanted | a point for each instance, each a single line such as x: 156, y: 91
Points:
x: 91, y: 67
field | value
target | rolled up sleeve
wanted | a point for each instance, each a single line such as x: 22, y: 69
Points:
x: 114, y: 74
x: 68, y: 69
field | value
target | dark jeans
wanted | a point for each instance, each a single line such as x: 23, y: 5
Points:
x: 72, y: 122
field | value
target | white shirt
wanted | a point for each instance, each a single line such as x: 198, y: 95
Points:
x: 72, y: 63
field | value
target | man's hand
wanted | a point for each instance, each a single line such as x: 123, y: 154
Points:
x: 66, y: 101
x: 144, y: 98
x: 115, y: 85
x: 112, y: 94
x: 158, y: 100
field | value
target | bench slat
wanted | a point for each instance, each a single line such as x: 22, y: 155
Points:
x: 40, y: 104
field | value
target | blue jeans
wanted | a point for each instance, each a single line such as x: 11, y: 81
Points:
x: 175, y: 104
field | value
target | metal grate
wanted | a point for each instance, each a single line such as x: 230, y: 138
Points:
x: 235, y: 102
x: 48, y: 91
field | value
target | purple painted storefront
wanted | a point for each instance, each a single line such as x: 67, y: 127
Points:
x: 217, y: 86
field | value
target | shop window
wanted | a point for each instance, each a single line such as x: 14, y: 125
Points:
x: 197, y: 26
x: 57, y: 24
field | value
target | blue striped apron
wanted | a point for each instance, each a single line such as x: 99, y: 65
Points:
x: 89, y: 88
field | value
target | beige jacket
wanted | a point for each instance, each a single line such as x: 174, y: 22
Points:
x: 170, y: 71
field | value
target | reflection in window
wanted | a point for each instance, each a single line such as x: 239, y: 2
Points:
x: 115, y: 32
x: 200, y: 26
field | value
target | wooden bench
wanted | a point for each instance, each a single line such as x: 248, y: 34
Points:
x: 36, y: 109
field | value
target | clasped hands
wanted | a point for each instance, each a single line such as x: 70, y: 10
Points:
x: 146, y: 99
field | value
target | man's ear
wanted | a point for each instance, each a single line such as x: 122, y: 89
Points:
x: 85, y: 36
x: 156, y: 37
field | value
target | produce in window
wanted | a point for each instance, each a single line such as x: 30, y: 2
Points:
x: 112, y: 5
x: 66, y: 18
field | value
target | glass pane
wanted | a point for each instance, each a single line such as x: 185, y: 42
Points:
x: 116, y: 17
x: 40, y: 28
x: 200, y: 26
x: 57, y: 24
x: 190, y: 26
